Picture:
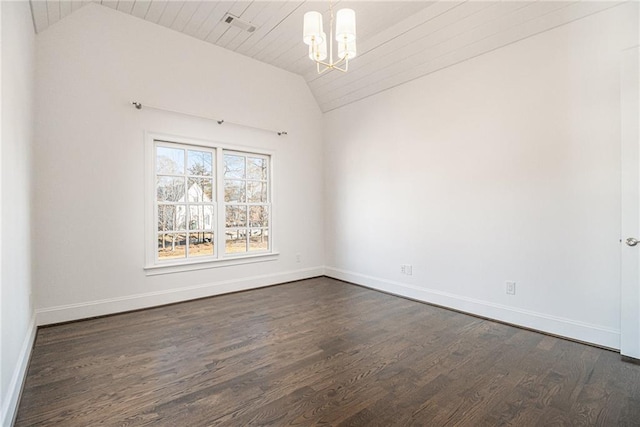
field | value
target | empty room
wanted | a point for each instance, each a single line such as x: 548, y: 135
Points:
x: 344, y: 213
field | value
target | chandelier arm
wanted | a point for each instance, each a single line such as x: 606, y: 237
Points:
x: 335, y: 67
x: 328, y: 67
x: 324, y: 70
x: 333, y: 64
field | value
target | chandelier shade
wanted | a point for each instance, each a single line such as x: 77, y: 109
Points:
x: 312, y: 29
x: 319, y: 53
x: 348, y: 48
x: 346, y: 25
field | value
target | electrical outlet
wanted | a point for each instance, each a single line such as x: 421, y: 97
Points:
x: 510, y: 288
x: 406, y: 269
x: 297, y: 257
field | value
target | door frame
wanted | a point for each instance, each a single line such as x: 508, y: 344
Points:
x: 630, y: 208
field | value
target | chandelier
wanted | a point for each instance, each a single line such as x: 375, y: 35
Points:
x: 314, y: 36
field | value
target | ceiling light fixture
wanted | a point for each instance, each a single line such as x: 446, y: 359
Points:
x: 314, y: 36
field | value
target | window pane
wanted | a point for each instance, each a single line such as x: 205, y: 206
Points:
x: 233, y: 166
x: 200, y: 190
x: 200, y: 163
x: 236, y: 216
x: 195, y: 217
x: 169, y: 161
x: 171, y: 217
x: 200, y: 244
x: 170, y: 189
x: 171, y: 246
x: 166, y: 217
x: 258, y: 216
x: 234, y: 191
x: 200, y: 217
x: 259, y: 240
x: 256, y: 168
x: 236, y: 241
x: 256, y: 192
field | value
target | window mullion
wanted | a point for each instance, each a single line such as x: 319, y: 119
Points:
x: 247, y: 229
x: 220, y: 224
x: 187, y: 211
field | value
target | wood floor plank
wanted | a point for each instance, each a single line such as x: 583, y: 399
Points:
x: 318, y: 352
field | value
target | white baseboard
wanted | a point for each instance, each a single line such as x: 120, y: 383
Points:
x: 65, y: 313
x: 581, y: 331
x: 10, y: 404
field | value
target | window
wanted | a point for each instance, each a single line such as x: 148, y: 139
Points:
x: 246, y: 196
x: 195, y: 184
x: 185, y: 205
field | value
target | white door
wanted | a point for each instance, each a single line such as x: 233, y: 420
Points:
x: 630, y: 242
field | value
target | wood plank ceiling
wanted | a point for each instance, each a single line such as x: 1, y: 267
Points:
x: 398, y: 41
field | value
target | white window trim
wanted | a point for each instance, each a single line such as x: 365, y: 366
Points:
x: 152, y: 266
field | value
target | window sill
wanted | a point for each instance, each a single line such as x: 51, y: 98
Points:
x: 153, y: 270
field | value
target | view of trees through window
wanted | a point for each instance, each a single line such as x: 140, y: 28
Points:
x: 246, y: 196
x: 186, y: 202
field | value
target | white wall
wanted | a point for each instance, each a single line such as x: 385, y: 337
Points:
x: 89, y: 164
x: 502, y: 168
x: 17, y: 330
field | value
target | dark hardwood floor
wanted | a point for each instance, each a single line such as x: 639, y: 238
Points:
x: 318, y: 351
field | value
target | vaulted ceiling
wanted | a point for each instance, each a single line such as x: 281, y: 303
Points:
x: 398, y: 41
